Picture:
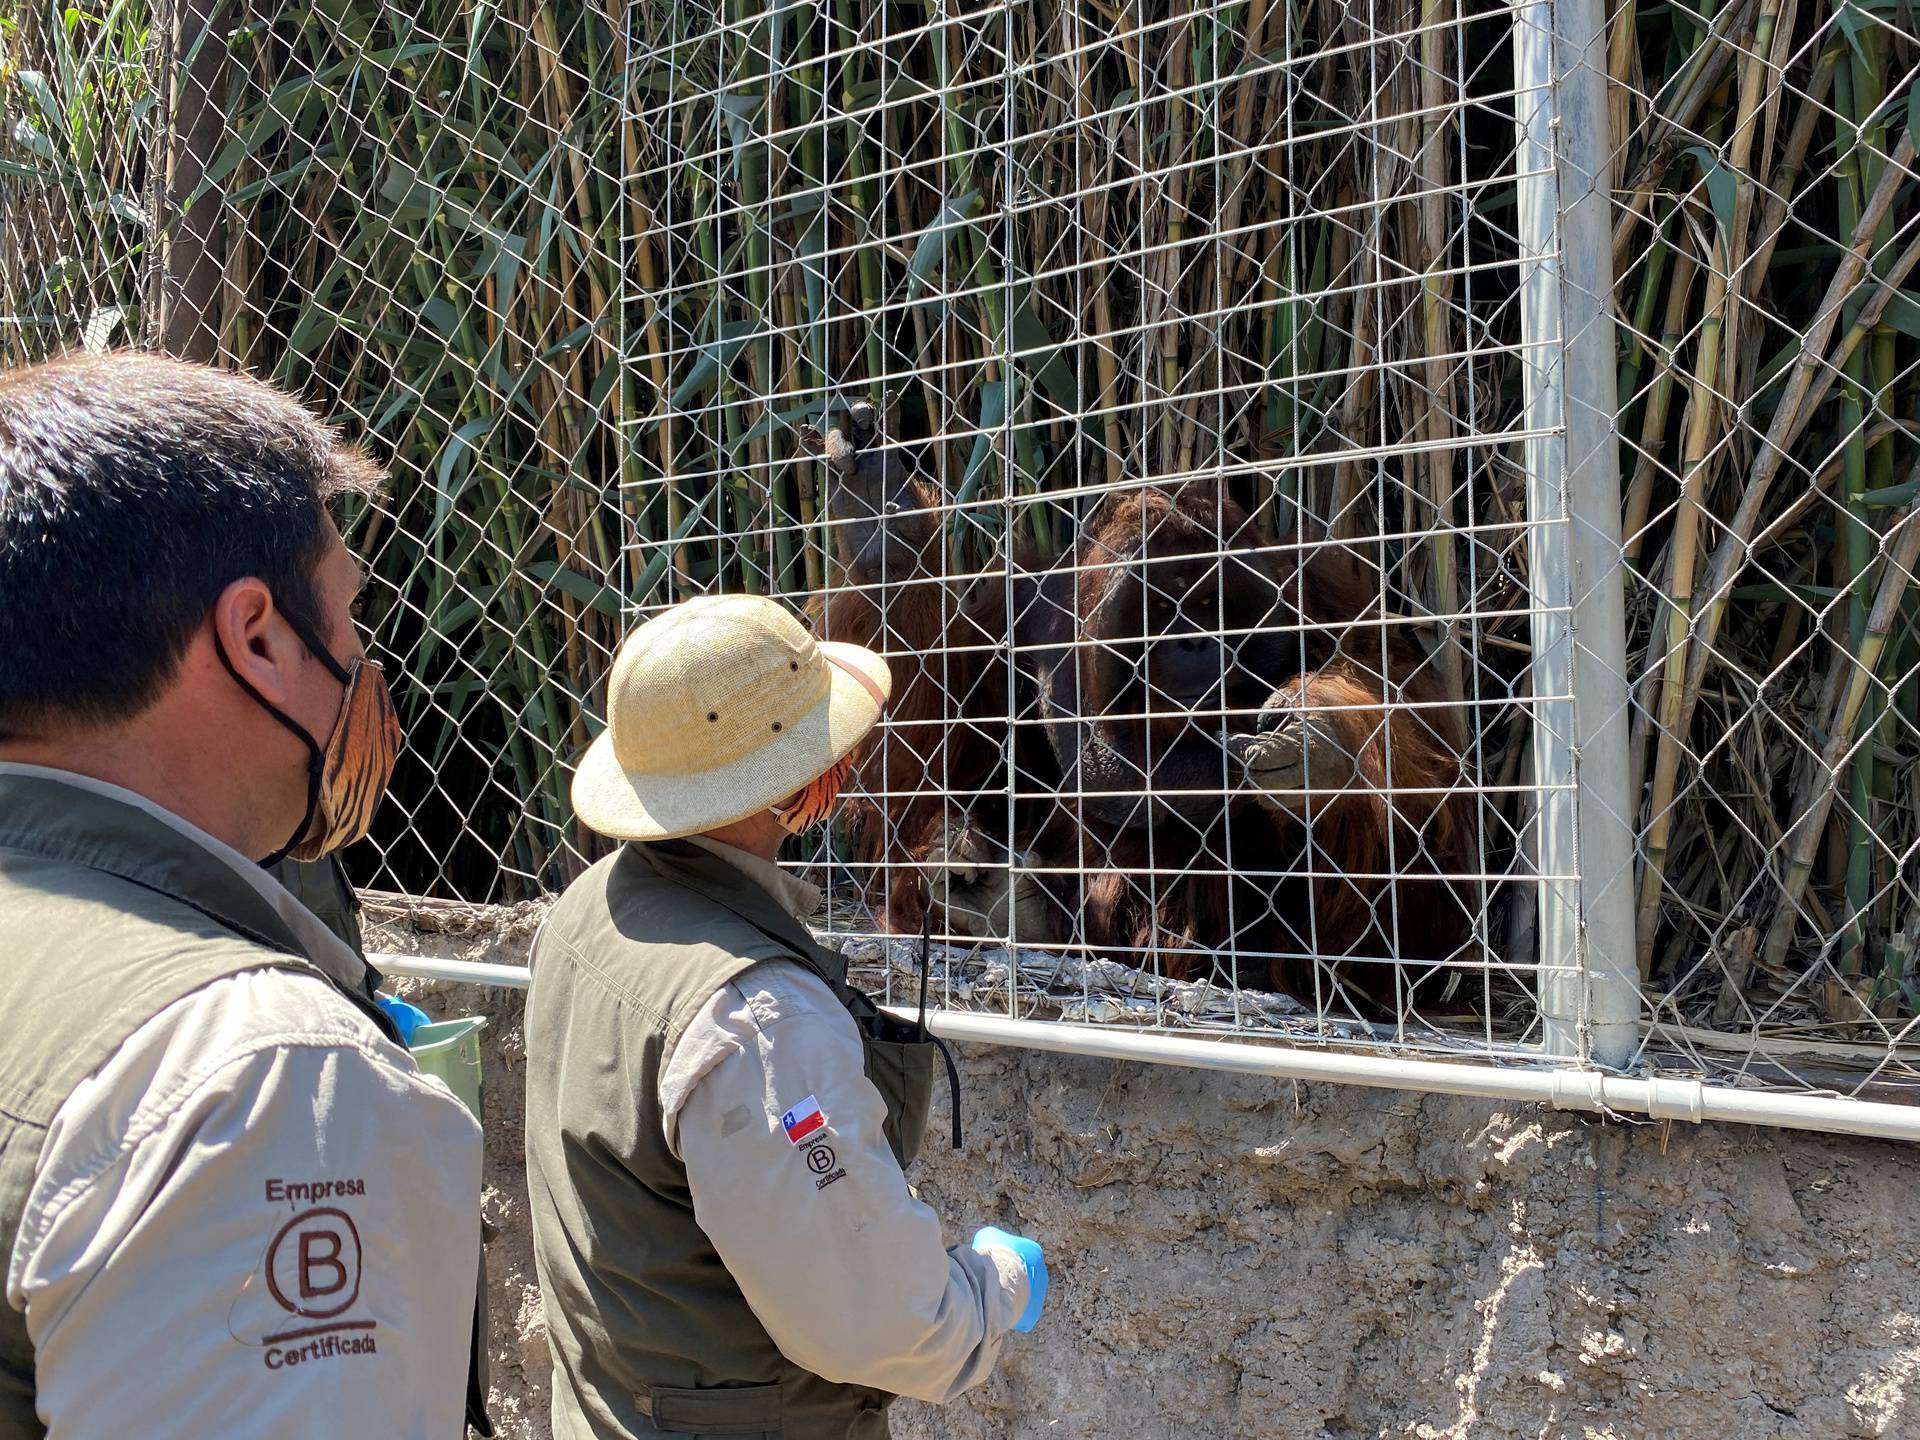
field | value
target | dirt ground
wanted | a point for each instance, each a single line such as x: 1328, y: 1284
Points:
x: 1235, y: 1257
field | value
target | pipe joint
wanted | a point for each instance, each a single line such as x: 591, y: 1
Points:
x: 1576, y: 1090
x: 1676, y: 1098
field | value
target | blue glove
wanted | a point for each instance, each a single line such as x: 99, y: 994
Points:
x: 406, y: 1018
x: 1030, y: 1256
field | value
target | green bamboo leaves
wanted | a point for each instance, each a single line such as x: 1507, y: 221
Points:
x: 1770, y: 390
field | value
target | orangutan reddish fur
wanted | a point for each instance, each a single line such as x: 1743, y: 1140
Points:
x: 945, y: 649
x: 1359, y: 833
x: 949, y: 736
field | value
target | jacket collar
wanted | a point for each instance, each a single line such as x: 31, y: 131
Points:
x: 706, y: 873
x: 81, y: 821
x: 793, y: 894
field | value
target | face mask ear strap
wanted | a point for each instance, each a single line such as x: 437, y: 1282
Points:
x: 317, y: 758
x: 315, y: 768
x: 267, y: 705
x: 319, y: 651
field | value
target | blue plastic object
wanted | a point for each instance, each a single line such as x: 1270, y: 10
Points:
x: 1033, y: 1258
x: 406, y: 1018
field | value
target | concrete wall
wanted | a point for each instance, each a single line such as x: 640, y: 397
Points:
x: 1246, y: 1258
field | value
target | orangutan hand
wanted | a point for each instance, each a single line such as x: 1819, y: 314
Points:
x: 1295, y: 753
x: 980, y: 890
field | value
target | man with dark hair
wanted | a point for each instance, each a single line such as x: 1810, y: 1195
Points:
x: 229, y: 1202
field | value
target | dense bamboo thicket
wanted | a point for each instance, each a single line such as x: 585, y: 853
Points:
x: 1768, y: 220
x: 418, y: 228
x: 76, y: 104
x: 579, y: 273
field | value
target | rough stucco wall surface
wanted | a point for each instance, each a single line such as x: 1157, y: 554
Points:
x: 1243, y: 1258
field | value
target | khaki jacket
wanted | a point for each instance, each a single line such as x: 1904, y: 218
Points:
x: 754, y: 1262
x: 229, y: 1203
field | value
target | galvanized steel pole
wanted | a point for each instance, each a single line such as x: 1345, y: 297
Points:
x: 1589, y: 979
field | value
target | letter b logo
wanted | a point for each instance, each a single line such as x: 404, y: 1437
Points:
x: 313, y: 1264
x: 321, y: 1273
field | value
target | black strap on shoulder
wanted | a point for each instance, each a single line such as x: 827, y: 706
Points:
x: 875, y: 1022
x: 925, y: 966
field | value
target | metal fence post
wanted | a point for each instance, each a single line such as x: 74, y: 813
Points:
x: 1589, y: 979
x: 184, y: 314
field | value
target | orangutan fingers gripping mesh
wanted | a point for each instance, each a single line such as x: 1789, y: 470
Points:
x: 984, y: 890
x: 1294, y: 756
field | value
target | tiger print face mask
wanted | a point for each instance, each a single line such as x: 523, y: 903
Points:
x: 347, y: 776
x: 814, y: 804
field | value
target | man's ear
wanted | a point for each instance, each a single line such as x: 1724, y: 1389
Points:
x: 258, y: 642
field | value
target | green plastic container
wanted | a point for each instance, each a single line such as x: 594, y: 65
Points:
x: 451, y: 1050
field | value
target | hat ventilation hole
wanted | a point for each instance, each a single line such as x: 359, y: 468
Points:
x: 776, y: 727
x: 712, y: 715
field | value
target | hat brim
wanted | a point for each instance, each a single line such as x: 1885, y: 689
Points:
x: 623, y: 806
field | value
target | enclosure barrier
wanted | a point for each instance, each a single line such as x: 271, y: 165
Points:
x: 1391, y: 519
x: 1592, y: 1091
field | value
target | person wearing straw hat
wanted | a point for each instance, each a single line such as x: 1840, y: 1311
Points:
x: 716, y: 1120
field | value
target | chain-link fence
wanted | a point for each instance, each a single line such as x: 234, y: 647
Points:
x: 1765, y: 223
x: 409, y: 215
x: 1391, y: 520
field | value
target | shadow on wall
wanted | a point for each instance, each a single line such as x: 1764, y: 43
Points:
x: 1237, y: 1257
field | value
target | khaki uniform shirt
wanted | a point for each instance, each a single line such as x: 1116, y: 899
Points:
x: 257, y: 1218
x: 880, y: 1302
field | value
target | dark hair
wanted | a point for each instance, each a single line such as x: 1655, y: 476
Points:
x: 133, y: 490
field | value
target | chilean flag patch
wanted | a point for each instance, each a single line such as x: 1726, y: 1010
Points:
x: 802, y: 1120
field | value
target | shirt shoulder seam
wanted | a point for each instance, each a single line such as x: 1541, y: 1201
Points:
x: 756, y: 1022
x: 151, y: 1116
x: 816, y: 992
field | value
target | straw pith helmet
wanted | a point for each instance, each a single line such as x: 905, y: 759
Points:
x: 718, y: 709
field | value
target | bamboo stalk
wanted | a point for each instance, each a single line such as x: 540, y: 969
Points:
x: 1090, y: 173
x: 1653, y: 425
x: 1753, y: 69
x: 1695, y: 86
x: 1773, y: 222
x: 1696, y: 449
x: 1623, y: 54
x: 1173, y: 215
x: 1817, y: 786
x: 1793, y: 412
x: 1436, y: 298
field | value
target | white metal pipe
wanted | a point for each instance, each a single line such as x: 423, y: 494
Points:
x: 1602, y: 751
x: 1555, y: 834
x: 1659, y: 1097
x: 470, y: 972
x: 1590, y: 1090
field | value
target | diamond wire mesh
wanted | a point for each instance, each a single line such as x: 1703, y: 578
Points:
x: 1766, y: 220
x: 1192, y: 519
x: 408, y: 215
x: 1198, y: 336
x: 73, y: 175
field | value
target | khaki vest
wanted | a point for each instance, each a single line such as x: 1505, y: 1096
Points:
x: 650, y: 1335
x: 322, y: 886
x: 107, y: 916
